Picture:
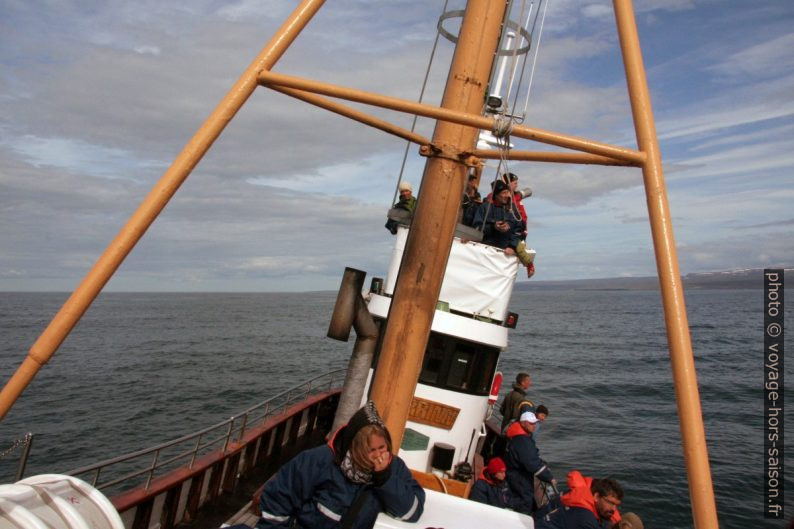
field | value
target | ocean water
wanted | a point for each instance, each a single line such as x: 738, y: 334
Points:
x: 141, y: 369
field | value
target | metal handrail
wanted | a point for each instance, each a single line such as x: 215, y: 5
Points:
x: 199, y: 439
x: 24, y: 443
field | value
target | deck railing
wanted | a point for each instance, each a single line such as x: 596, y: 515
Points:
x: 185, y: 450
x: 21, y: 445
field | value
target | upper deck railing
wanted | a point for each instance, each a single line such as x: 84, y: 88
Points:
x: 153, y: 462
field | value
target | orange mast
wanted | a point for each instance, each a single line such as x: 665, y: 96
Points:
x: 433, y: 227
x: 693, y: 435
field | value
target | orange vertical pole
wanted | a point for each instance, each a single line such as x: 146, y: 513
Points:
x: 701, y: 490
x: 74, y: 308
x: 430, y: 239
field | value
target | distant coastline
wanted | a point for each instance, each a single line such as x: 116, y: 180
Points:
x: 733, y: 279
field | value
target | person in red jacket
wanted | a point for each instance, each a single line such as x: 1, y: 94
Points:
x: 492, y: 488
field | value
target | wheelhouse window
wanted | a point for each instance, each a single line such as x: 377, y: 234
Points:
x: 458, y: 365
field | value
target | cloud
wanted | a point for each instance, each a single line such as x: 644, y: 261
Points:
x: 95, y: 103
x: 763, y: 60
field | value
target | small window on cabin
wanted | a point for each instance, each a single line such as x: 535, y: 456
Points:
x: 460, y: 369
x: 433, y: 364
x: 458, y: 365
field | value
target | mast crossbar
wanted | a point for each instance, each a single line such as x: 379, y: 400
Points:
x: 270, y: 79
x: 551, y: 157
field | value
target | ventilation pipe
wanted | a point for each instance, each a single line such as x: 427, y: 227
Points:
x: 351, y: 311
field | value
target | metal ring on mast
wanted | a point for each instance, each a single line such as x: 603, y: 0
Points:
x: 458, y: 13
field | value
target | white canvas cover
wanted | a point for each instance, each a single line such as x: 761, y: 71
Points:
x: 479, y: 278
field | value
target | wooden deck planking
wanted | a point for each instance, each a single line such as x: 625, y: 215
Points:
x: 245, y: 516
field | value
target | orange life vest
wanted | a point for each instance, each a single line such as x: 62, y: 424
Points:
x: 580, y: 495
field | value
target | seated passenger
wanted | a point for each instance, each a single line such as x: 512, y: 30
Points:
x: 502, y: 225
x: 345, y: 483
x: 404, y: 208
x: 499, y: 220
x: 471, y: 201
x: 518, y: 195
x: 492, y: 488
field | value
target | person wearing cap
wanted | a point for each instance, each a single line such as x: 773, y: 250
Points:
x: 403, y: 209
x: 345, y: 483
x: 526, y: 471
x: 511, y: 179
x: 500, y: 220
x: 503, y: 226
x: 491, y: 487
x: 527, y: 259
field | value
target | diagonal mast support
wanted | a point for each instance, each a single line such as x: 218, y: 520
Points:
x: 471, y: 118
x: 107, y: 264
x: 693, y: 435
x: 353, y: 114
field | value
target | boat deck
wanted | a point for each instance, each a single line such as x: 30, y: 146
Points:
x: 245, y: 516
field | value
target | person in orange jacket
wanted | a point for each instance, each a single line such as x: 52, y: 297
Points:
x: 590, y: 503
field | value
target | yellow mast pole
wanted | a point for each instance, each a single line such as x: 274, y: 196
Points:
x: 74, y: 308
x: 701, y: 490
x: 430, y: 239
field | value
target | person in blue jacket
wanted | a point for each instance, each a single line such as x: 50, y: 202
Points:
x: 500, y: 220
x: 492, y: 488
x: 525, y: 469
x: 344, y: 484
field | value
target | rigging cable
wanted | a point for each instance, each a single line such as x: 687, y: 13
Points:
x: 514, y: 55
x: 534, y: 59
x: 413, y: 123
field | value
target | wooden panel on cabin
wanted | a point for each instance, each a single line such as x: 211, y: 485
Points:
x: 445, y: 485
x: 432, y: 413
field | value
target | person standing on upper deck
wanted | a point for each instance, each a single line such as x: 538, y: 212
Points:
x: 471, y: 201
x: 403, y: 209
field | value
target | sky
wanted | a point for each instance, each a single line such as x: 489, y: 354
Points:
x: 97, y: 98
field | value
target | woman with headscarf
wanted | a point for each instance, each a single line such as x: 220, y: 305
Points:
x: 344, y: 484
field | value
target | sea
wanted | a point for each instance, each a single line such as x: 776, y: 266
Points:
x: 144, y: 368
